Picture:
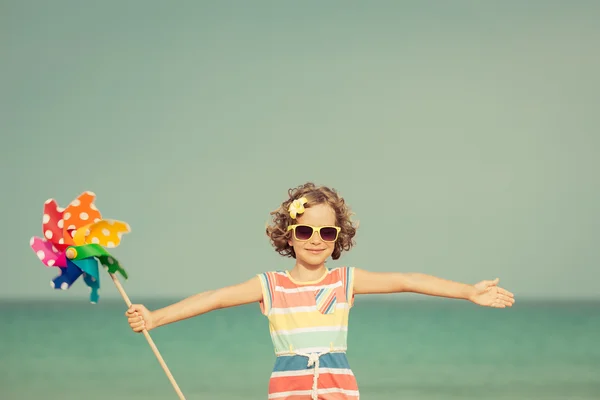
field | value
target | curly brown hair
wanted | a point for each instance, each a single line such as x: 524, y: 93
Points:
x: 279, y: 235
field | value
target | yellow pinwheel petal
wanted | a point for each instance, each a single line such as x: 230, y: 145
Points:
x: 79, y: 238
x: 107, y: 233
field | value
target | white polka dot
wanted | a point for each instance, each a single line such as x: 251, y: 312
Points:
x: 61, y: 223
x: 67, y: 216
x: 96, y: 220
x: 95, y: 240
x: 46, y: 219
x: 48, y: 234
x: 128, y: 227
x: 60, y: 209
x: 31, y: 241
x: 54, y: 249
x: 87, y: 232
x: 76, y: 203
x: 71, y: 227
x: 73, y: 233
x: 110, y: 260
x: 64, y: 286
x: 48, y: 201
x: 110, y: 245
x: 93, y: 207
x: 50, y: 263
x: 52, y: 285
x: 90, y: 193
x: 105, y: 232
x: 61, y: 241
x: 84, y: 216
x: 41, y: 255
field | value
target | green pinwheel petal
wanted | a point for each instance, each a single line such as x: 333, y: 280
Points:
x: 113, y: 266
x: 96, y: 250
x: 89, y: 250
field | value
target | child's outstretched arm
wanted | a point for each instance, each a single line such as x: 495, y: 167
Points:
x: 139, y: 317
x: 484, y: 293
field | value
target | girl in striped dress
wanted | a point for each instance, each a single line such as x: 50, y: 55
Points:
x: 307, y: 307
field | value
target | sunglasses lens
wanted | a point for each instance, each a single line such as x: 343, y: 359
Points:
x: 328, y: 234
x: 303, y: 232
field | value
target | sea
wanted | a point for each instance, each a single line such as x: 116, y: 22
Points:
x: 401, y: 348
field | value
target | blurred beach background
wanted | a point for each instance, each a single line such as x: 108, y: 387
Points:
x: 464, y: 135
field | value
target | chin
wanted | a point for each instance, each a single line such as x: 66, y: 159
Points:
x: 315, y: 259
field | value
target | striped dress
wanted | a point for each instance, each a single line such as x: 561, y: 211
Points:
x: 308, y: 322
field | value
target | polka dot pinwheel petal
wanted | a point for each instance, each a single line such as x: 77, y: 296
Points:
x: 81, y: 212
x: 53, y: 224
x: 49, y: 255
x: 107, y: 233
x: 67, y: 277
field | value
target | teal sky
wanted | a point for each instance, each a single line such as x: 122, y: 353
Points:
x: 465, y: 135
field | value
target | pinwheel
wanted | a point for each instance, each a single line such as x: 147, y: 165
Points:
x: 74, y: 240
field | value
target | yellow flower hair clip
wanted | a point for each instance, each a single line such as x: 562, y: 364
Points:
x: 297, y: 207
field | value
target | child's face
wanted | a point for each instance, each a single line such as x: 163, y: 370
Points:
x: 314, y: 251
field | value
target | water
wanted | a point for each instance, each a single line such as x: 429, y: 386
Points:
x: 400, y: 349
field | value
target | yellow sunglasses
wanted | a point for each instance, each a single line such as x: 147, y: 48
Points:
x: 303, y: 232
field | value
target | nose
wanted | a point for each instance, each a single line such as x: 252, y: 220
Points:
x: 315, y: 238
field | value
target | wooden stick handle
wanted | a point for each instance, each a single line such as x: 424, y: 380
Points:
x: 149, y: 339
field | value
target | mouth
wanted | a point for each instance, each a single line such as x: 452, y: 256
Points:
x: 315, y: 251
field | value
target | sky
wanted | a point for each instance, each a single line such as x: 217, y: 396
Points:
x: 464, y: 135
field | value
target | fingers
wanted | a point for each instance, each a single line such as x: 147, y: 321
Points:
x: 506, y: 299
x: 134, y: 308
x: 138, y: 326
x: 505, y: 292
x: 134, y: 317
x: 503, y: 301
x: 136, y: 323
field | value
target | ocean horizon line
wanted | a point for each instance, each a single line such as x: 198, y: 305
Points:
x: 412, y: 298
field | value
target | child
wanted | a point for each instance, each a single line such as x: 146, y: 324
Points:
x: 307, y: 306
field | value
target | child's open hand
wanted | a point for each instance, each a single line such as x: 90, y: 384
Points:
x: 489, y: 294
x: 139, y: 318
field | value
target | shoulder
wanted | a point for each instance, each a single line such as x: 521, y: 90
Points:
x: 341, y: 271
x: 270, y: 277
x: 273, y: 273
x: 345, y: 278
x: 344, y: 274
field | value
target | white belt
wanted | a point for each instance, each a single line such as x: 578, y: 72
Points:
x: 313, y: 360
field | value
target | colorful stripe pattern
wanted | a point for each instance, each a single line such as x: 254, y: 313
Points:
x: 326, y: 300
x: 308, y: 322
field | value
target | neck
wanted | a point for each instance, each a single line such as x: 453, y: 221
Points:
x: 302, y: 272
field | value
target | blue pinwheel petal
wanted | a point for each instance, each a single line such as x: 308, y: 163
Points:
x: 68, y: 275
